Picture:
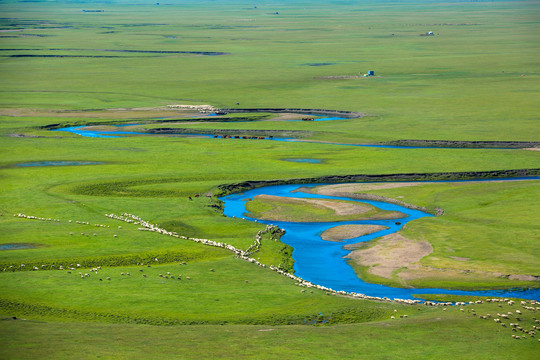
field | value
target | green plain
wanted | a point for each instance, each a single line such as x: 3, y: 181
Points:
x: 475, y: 79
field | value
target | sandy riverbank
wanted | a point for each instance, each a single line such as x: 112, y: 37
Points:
x: 390, y: 253
x: 345, y: 232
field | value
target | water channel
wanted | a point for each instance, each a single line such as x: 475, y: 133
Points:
x: 322, y: 262
x: 86, y: 131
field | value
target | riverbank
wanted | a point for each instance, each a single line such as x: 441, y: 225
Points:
x: 321, y: 262
x: 225, y: 189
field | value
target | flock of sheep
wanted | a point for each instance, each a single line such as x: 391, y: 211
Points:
x: 272, y: 230
x: 147, y: 226
x: 516, y: 314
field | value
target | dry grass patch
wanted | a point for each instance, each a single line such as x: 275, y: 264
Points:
x: 390, y: 253
x: 344, y: 232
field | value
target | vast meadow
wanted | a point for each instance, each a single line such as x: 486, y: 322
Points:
x: 78, y: 281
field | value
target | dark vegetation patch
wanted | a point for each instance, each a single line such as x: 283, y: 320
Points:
x: 61, y: 56
x: 465, y: 144
x: 26, y: 35
x: 129, y: 149
x: 224, y: 27
x: 322, y: 112
x: 216, y: 119
x: 182, y: 228
x: 232, y: 133
x: 191, y: 253
x: 340, y: 113
x: 347, y: 315
x: 124, y: 188
x: 208, y: 53
x: 441, y: 176
x: 319, y: 64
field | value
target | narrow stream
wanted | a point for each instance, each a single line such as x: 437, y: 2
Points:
x: 85, y: 132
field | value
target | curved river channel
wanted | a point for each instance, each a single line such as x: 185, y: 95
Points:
x: 322, y: 262
x: 319, y: 261
x: 87, y: 131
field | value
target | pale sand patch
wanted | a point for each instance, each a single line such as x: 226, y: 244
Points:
x: 344, y: 232
x: 353, y: 188
x: 392, y: 252
x: 339, y: 189
x: 460, y: 258
x: 532, y: 149
x: 287, y: 116
x: 524, y: 277
x: 340, y: 208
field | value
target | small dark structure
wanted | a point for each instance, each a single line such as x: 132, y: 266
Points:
x: 371, y: 73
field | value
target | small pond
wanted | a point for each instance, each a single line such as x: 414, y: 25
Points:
x: 19, y: 246
x: 59, y: 163
x: 311, y: 161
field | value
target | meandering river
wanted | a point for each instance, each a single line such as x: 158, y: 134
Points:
x: 322, y: 262
x: 86, y: 131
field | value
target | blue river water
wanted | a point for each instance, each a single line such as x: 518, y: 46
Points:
x: 85, y: 132
x: 322, y: 262
x: 307, y: 160
x: 59, y: 163
x: 318, y: 261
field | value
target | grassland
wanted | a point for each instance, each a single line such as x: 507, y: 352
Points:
x: 464, y: 84
x: 478, y: 218
x: 302, y: 210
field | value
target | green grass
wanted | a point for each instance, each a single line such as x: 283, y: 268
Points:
x: 485, y: 234
x: 463, y: 84
x: 432, y: 334
x: 295, y: 210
